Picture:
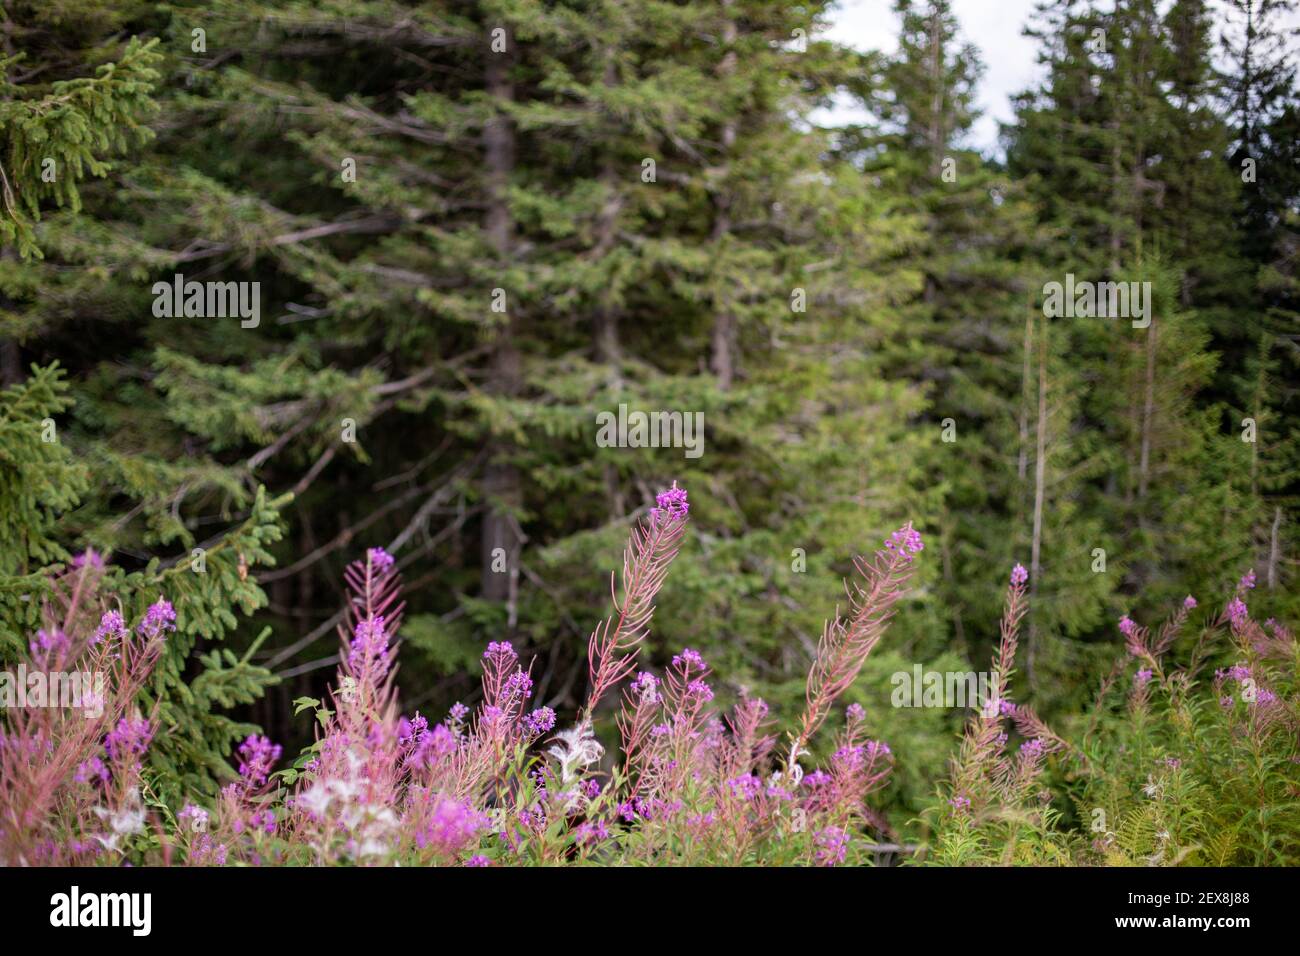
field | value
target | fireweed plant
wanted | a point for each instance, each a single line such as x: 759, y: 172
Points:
x: 506, y: 783
x: 1184, y: 770
x: 1174, y: 765
x: 71, y: 788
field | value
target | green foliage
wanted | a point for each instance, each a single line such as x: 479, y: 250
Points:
x: 210, y: 588
x: 56, y: 134
x: 1196, y: 775
x: 1174, y: 765
x: 835, y: 302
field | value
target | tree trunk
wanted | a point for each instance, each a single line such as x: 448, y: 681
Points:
x: 1148, y: 412
x: 723, y: 340
x: 1274, y: 551
x: 937, y: 137
x: 1022, y: 465
x: 11, y: 361
x: 1040, y: 484
x: 501, y: 483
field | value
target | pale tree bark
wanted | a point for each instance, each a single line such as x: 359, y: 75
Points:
x: 1274, y: 550
x: 605, y: 339
x: 1040, y: 485
x: 937, y: 136
x: 1022, y: 465
x: 1257, y: 403
x: 723, y: 339
x: 1148, y: 412
x: 502, y: 536
x: 1116, y: 178
x: 606, y: 347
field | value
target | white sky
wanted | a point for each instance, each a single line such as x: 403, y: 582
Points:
x: 994, y: 26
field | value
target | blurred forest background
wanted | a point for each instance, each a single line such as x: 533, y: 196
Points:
x: 640, y: 188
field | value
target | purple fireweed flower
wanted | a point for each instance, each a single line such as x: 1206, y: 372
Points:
x: 478, y: 860
x: 256, y: 757
x: 701, y: 821
x: 369, y: 643
x: 500, y: 658
x: 905, y: 542
x: 1031, y: 748
x: 670, y: 505
x: 1264, y: 697
x: 379, y: 559
x: 1189, y: 603
x: 745, y: 787
x: 90, y: 771
x: 689, y: 659
x: 205, y: 851
x: 89, y: 557
x: 410, y: 731
x: 1127, y: 626
x: 591, y: 832
x: 1238, y: 612
x: 1005, y: 707
x: 519, y: 684
x: 458, y: 711
x: 1019, y: 575
x: 778, y: 792
x: 849, y: 759
x: 630, y: 810
x: 816, y: 779
x: 960, y: 803
x: 1239, y: 672
x: 664, y: 809
x: 48, y: 646
x: 875, y: 749
x: 130, y: 738
x: 160, y: 617
x: 539, y: 721
x: 855, y: 712
x: 1226, y: 702
x: 590, y: 788
x: 441, y: 741
x: 646, y: 687
x: 432, y: 747
x: 832, y: 846
x: 714, y: 730
x: 1173, y: 763
x: 699, y: 689
x: 533, y: 817
x: 1142, y: 677
x: 111, y: 626
x: 450, y: 827
x: 1247, y: 583
x: 195, y: 818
